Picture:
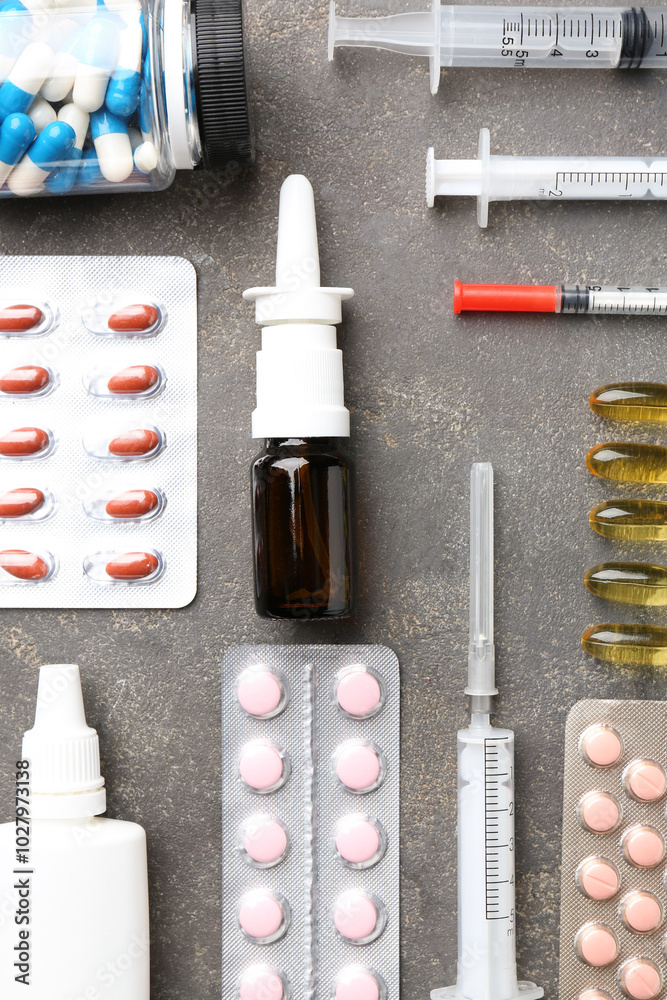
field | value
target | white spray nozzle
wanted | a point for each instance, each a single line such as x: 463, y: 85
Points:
x: 414, y: 34
x: 481, y: 650
x: 297, y: 296
x: 297, y: 254
x: 299, y: 369
x: 63, y: 751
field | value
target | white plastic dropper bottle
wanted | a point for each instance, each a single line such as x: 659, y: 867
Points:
x: 74, y: 898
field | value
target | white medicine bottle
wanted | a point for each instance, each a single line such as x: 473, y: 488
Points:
x: 73, y: 884
x: 117, y: 95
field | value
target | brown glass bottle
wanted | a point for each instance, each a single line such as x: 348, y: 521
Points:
x: 304, y: 529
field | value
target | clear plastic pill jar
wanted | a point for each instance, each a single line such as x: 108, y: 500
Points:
x: 117, y: 95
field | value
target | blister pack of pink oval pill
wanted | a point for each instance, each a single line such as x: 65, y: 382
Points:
x: 613, y: 943
x: 310, y: 791
x: 98, y: 432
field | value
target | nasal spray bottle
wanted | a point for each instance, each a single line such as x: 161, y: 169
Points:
x: 302, y: 482
x: 73, y: 885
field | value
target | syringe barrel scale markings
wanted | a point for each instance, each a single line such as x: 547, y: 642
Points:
x: 486, y: 964
x: 514, y: 37
x: 552, y: 178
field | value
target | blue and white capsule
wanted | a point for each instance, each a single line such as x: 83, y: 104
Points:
x: 41, y: 113
x: 144, y: 152
x: 123, y: 91
x: 63, y: 73
x: 17, y: 132
x: 112, y: 145
x: 97, y: 53
x: 48, y: 151
x: 25, y: 78
x: 63, y: 178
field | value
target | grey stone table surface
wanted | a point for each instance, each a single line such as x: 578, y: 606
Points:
x: 429, y: 394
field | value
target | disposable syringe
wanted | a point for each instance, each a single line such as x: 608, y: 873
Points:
x: 486, y: 966
x: 524, y: 37
x: 544, y: 178
x: 628, y: 300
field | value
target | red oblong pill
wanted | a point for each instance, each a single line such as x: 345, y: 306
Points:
x: 132, y: 566
x: 135, y: 442
x: 24, y: 441
x: 28, y: 378
x: 131, y: 503
x: 19, y: 318
x: 137, y: 378
x: 18, y: 503
x: 133, y: 319
x: 23, y: 565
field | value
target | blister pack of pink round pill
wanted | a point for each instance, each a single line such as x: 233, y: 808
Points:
x: 613, y: 943
x: 310, y: 822
x: 98, y: 432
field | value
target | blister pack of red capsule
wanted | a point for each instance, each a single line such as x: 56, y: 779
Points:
x: 98, y: 432
x: 310, y: 772
x: 613, y: 943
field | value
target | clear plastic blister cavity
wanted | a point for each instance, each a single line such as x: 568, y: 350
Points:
x: 310, y: 859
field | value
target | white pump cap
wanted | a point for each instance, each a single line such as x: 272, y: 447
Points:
x: 63, y: 751
x: 299, y: 369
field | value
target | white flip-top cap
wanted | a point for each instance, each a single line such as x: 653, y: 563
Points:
x: 63, y: 751
x: 299, y: 369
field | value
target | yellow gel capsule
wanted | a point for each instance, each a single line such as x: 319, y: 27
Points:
x: 631, y: 645
x: 631, y: 401
x: 629, y: 462
x: 631, y: 520
x: 631, y: 583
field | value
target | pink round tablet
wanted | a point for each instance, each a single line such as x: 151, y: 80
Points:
x: 640, y: 979
x: 356, y: 917
x: 358, y: 693
x: 601, y: 746
x: 599, y: 812
x: 264, y: 840
x: 358, y: 840
x: 357, y: 983
x: 261, y: 766
x: 643, y: 846
x: 260, y: 983
x: 262, y: 916
x: 645, y: 780
x: 358, y: 766
x: 596, y: 945
x: 598, y: 878
x: 641, y: 912
x: 260, y: 692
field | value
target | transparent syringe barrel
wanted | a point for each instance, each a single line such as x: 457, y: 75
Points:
x: 575, y: 177
x: 609, y: 299
x: 552, y: 37
x: 486, y: 967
